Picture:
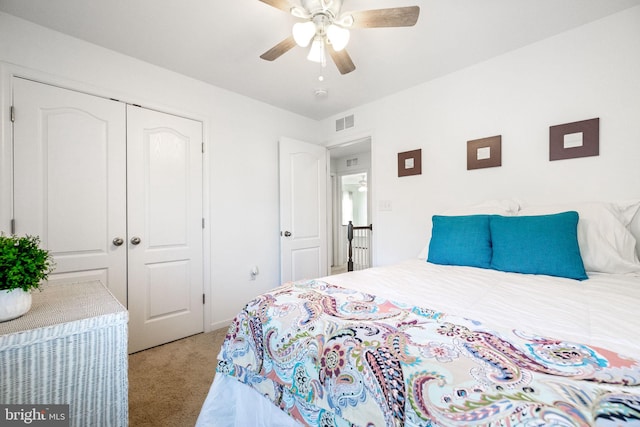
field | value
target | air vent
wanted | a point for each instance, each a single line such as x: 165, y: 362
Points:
x: 352, y: 162
x: 348, y: 122
x: 345, y: 123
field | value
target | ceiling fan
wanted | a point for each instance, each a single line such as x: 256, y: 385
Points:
x: 326, y: 28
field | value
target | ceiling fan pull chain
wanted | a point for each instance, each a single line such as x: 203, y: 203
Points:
x: 323, y: 55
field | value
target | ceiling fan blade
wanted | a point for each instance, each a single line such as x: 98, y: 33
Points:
x: 393, y: 17
x: 279, y: 4
x: 280, y: 49
x: 342, y: 60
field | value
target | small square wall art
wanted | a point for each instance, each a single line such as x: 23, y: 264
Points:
x: 410, y: 163
x: 572, y: 140
x: 484, y: 153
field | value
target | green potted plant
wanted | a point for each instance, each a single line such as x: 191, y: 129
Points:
x: 23, y: 267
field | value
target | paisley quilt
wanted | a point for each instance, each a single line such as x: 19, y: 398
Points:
x: 330, y: 356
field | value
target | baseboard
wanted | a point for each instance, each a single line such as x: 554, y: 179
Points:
x: 218, y: 325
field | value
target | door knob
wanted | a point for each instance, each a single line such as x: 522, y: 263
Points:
x: 118, y: 241
x: 135, y: 240
x: 287, y: 234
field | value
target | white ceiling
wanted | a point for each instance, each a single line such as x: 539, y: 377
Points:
x: 220, y: 42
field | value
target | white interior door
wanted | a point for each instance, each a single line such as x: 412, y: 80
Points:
x: 164, y: 193
x: 70, y: 181
x: 303, y: 210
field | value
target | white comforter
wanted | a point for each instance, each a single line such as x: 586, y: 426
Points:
x: 602, y: 311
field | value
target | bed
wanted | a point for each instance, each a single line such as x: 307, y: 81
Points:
x: 507, y: 328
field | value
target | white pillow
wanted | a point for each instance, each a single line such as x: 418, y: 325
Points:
x: 606, y: 243
x: 627, y: 210
x: 630, y: 213
x: 634, y: 228
x: 506, y: 207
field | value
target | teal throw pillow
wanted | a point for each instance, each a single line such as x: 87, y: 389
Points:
x: 543, y: 244
x: 460, y: 240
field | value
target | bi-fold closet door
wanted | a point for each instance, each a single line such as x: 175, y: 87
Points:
x: 115, y: 193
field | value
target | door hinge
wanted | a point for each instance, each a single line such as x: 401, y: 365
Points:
x: 13, y: 226
x: 202, y: 222
x: 203, y: 147
x: 202, y: 298
x: 12, y: 113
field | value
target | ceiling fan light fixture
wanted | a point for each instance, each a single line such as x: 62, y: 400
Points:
x: 363, y: 185
x: 345, y: 21
x: 324, y: 24
x: 316, y: 53
x: 338, y: 37
x: 299, y: 12
x: 303, y: 33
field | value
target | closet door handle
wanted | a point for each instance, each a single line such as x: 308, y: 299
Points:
x: 118, y: 241
x: 135, y: 240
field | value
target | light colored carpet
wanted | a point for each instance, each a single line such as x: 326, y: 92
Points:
x: 168, y: 383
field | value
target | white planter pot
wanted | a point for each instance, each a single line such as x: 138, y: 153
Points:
x: 14, y: 304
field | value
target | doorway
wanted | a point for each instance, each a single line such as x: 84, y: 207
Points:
x: 350, y: 169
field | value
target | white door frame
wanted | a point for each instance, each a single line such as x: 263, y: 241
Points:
x: 340, y: 232
x: 334, y: 202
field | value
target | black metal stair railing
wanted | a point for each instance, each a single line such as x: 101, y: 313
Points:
x: 359, y: 252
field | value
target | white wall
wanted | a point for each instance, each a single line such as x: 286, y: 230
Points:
x: 592, y: 71
x: 241, y: 135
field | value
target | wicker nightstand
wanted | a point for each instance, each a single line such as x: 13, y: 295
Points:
x: 70, y: 348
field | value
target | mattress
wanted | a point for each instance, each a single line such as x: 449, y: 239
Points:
x: 600, y: 313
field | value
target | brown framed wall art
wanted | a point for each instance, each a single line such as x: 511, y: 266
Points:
x: 410, y: 163
x: 484, y: 152
x: 573, y: 140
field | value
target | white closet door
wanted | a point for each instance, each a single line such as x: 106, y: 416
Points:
x: 70, y: 181
x: 164, y: 192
